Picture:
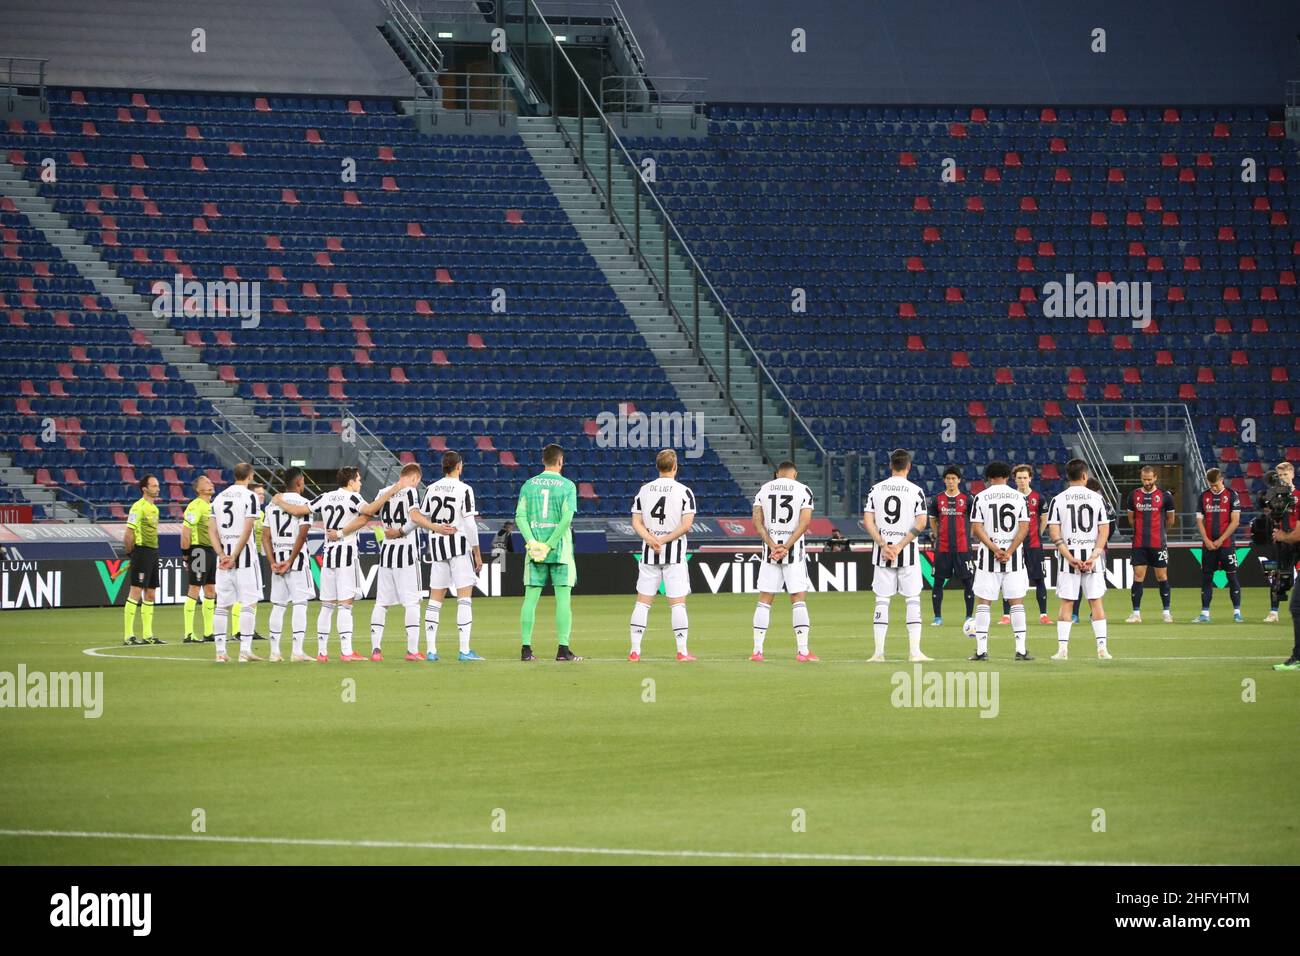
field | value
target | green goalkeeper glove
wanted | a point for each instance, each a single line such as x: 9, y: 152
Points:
x: 538, y: 550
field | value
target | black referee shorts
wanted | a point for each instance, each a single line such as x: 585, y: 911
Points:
x: 201, y: 566
x: 144, y: 567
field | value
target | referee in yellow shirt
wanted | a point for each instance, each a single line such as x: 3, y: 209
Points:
x: 200, y: 561
x: 141, y: 545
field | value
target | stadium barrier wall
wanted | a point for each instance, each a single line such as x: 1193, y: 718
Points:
x: 105, y: 583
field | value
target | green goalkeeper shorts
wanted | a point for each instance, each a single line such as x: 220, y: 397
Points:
x: 539, y: 575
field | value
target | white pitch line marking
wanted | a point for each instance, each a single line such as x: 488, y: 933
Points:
x: 574, y: 850
x: 99, y: 652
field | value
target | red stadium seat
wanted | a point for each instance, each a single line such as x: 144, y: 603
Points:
x: 1039, y: 426
x: 975, y: 409
x: 983, y: 426
x: 484, y: 443
x: 437, y: 443
x: 960, y: 360
x: 587, y: 492
x: 1227, y: 426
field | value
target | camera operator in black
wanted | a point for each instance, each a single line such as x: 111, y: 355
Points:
x: 1279, y: 506
x: 1286, y: 535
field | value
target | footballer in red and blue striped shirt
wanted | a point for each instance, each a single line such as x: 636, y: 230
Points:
x: 1150, y: 513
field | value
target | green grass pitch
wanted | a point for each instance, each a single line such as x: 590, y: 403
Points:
x: 431, y: 760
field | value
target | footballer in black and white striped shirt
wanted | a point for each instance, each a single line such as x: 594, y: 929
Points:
x: 450, y: 512
x: 341, y: 512
x: 783, y: 510
x: 999, y: 524
x: 662, y: 513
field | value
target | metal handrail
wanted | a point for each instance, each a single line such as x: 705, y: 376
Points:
x: 733, y: 327
x: 651, y: 94
x: 456, y: 11
x: 626, y: 29
x: 88, y: 509
x: 34, y: 76
x: 242, y: 445
x: 369, y: 445
x: 1194, y: 450
x: 1096, y: 462
x: 482, y: 92
x: 415, y: 35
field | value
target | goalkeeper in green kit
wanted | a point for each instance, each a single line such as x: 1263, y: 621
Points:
x: 547, y: 503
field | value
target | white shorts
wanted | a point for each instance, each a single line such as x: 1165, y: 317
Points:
x: 773, y: 577
x: 340, y: 584
x: 454, y: 574
x: 292, y: 587
x: 1069, y: 585
x: 1010, y: 584
x: 887, y: 582
x: 238, y: 586
x: 398, y: 586
x: 676, y: 580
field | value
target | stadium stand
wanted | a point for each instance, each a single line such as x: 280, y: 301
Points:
x: 116, y: 409
x: 377, y: 293
x: 920, y: 291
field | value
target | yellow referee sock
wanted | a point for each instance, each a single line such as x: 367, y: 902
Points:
x: 146, y: 619
x: 189, y: 616
x: 209, y: 612
x: 128, y: 618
